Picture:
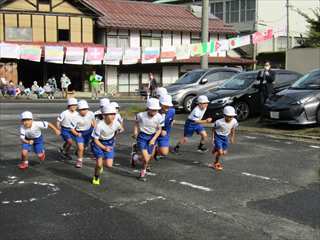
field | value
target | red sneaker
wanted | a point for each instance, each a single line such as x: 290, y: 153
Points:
x: 23, y: 165
x: 42, y: 157
x: 218, y: 166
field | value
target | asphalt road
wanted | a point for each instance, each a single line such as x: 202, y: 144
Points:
x: 269, y: 189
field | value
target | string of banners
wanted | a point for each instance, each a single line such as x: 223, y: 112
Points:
x: 117, y: 56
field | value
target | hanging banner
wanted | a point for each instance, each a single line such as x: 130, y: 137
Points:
x: 74, y: 55
x: 113, y: 56
x: 198, y: 49
x: 239, y: 41
x: 8, y: 50
x: 150, y: 55
x: 183, y: 52
x: 94, y: 55
x: 259, y: 37
x: 131, y: 56
x: 30, y: 52
x: 168, y: 53
x: 53, y: 54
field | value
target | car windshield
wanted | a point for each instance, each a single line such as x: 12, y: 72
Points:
x: 308, y: 81
x: 238, y: 82
x: 189, y: 77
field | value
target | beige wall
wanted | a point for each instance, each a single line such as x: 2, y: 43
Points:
x: 310, y: 56
x: 51, y: 28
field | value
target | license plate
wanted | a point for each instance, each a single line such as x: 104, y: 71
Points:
x: 274, y: 115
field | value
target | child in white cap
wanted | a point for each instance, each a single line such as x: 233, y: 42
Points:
x: 194, y: 124
x: 147, y: 129
x: 103, y: 102
x: 222, y: 130
x: 118, y: 115
x: 30, y: 135
x: 161, y: 91
x: 103, y: 141
x: 65, y: 122
x: 82, y: 129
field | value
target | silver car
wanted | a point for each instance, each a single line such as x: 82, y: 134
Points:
x: 196, y: 82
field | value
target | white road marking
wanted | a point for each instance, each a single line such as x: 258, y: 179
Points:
x: 314, y: 146
x: 148, y: 173
x: 263, y: 177
x: 250, y: 137
x: 196, y: 186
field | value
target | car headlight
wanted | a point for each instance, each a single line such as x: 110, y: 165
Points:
x: 303, y: 101
x: 222, y: 101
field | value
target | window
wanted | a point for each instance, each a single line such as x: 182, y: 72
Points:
x: 285, y: 78
x: 251, y: 10
x: 195, y: 38
x: 44, y: 1
x: 228, y: 12
x: 243, y: 11
x: 234, y: 18
x: 151, y: 39
x: 213, y: 77
x: 64, y: 35
x: 227, y: 75
x: 217, y: 9
x: 118, y: 41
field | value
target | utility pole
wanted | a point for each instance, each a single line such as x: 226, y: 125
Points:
x: 204, y: 30
x: 288, y: 33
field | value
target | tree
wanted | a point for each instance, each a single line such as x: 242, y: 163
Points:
x: 313, y: 38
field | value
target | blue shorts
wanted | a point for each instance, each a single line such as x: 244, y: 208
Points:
x: 98, y: 152
x: 163, y: 141
x: 66, y: 134
x: 221, y: 142
x: 190, y: 127
x: 85, y: 137
x: 143, y: 140
x: 38, y: 145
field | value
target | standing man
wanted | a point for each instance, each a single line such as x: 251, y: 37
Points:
x: 94, y: 81
x: 152, y: 85
x: 65, y: 82
x: 266, y: 79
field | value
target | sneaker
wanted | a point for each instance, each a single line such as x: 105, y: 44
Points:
x: 202, y: 149
x: 67, y: 156
x: 134, y: 148
x: 96, y: 181
x: 79, y: 164
x: 218, y: 166
x: 42, y: 157
x: 149, y: 169
x: 142, y: 178
x: 23, y: 165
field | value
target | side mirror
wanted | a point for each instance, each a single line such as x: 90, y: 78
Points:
x: 203, y: 81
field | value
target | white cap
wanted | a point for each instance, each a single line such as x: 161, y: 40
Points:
x: 153, y: 104
x: 203, y: 99
x: 104, y: 101
x: 26, y: 115
x: 160, y: 91
x: 166, y: 100
x: 229, y: 111
x: 72, y: 101
x: 109, y: 109
x: 83, y: 104
x: 116, y: 105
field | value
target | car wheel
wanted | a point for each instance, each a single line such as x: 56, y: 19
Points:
x: 242, y: 110
x: 187, y: 103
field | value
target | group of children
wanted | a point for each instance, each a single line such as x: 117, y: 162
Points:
x: 151, y: 132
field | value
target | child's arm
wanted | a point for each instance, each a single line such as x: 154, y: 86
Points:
x: 23, y: 137
x: 232, y: 135
x: 54, y: 128
x: 135, y: 130
x: 94, y: 123
x: 100, y: 145
x: 75, y: 133
x: 212, y: 132
x: 208, y: 120
x: 156, y: 135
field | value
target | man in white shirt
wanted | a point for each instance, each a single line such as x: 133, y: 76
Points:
x: 65, y: 82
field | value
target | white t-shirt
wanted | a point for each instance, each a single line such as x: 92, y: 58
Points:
x: 34, y: 131
x: 196, y: 114
x: 223, y: 128
x: 67, y: 118
x: 84, y: 123
x: 105, y: 132
x: 149, y: 125
x: 119, y: 118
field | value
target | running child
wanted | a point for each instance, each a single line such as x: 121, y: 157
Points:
x: 147, y: 129
x: 103, y: 141
x: 194, y: 124
x: 31, y: 137
x: 65, y: 122
x: 168, y: 112
x: 82, y: 129
x: 118, y: 115
x: 161, y: 91
x: 98, y: 114
x: 222, y: 130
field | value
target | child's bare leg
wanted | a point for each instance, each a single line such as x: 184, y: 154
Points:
x: 108, y: 163
x: 24, y: 156
x: 218, y: 154
x: 80, y: 151
x: 68, y: 145
x: 99, y: 165
x: 145, y: 159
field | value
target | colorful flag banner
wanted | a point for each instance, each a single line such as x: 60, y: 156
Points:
x: 94, y: 55
x: 183, y: 52
x: 74, y: 55
x: 8, y: 50
x: 30, y: 52
x: 259, y: 37
x: 113, y: 56
x: 198, y: 49
x: 53, y: 54
x: 168, y: 53
x: 131, y: 56
x: 150, y: 55
x: 239, y: 41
